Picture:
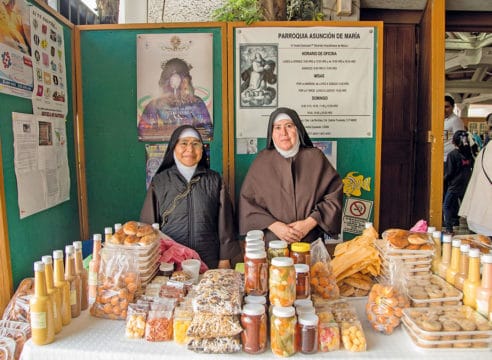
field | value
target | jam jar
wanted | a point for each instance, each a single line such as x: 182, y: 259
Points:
x: 255, y: 273
x: 277, y: 248
x: 300, y: 253
x: 254, y: 323
x: 303, y: 287
x: 307, y: 333
x: 282, y: 331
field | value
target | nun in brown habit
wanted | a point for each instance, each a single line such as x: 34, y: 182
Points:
x: 291, y: 190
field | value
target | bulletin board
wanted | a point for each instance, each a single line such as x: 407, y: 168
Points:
x: 41, y: 233
x: 112, y: 155
x: 358, y: 148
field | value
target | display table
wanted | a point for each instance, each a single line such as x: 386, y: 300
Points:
x: 90, y: 338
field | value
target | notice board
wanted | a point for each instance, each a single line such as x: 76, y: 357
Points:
x: 114, y: 158
x: 330, y: 73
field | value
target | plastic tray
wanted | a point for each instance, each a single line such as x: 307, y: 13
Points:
x: 384, y: 247
x: 456, y: 339
x: 453, y: 298
x: 140, y: 250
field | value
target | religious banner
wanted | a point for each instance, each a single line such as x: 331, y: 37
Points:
x: 326, y: 74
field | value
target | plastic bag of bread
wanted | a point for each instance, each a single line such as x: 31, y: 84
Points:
x: 219, y: 345
x: 18, y: 307
x: 117, y: 282
x: 134, y: 233
x: 205, y: 325
x: 18, y: 331
x: 323, y: 281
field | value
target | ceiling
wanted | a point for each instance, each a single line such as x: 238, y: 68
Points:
x: 468, y: 55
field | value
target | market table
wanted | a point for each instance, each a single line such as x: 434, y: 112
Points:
x: 90, y: 338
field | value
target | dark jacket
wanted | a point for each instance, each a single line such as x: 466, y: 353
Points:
x: 457, y: 172
x: 202, y: 221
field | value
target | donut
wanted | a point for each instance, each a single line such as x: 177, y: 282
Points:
x: 418, y: 238
x: 130, y: 228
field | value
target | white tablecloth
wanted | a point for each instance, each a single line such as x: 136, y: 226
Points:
x: 90, y: 338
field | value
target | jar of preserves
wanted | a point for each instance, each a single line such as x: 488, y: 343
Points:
x: 255, y: 234
x: 307, y: 333
x: 300, y: 253
x: 277, y: 248
x: 303, y: 288
x: 254, y: 323
x: 282, y: 331
x: 282, y: 282
x: 303, y: 302
x: 255, y: 273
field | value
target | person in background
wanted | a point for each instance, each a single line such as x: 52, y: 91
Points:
x: 190, y: 201
x: 457, y: 173
x: 452, y: 123
x: 475, y: 206
x: 291, y: 190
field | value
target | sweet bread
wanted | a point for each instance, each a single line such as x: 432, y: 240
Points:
x: 346, y: 290
x: 144, y: 229
x: 398, y: 238
x: 148, y: 239
x: 130, y: 228
x: 426, y: 247
x: 131, y: 239
x: 118, y: 237
x: 413, y: 247
x: 418, y: 238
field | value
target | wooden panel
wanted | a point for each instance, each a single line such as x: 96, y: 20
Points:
x: 399, y: 119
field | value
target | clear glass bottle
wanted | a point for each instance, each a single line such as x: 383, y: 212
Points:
x: 41, y: 309
x: 94, y: 267
x: 54, y: 292
x: 283, y: 331
x: 484, y: 291
x: 303, y: 284
x: 300, y: 253
x: 282, y: 282
x: 473, y: 280
x: 277, y: 248
x: 255, y: 273
x: 453, y: 268
x: 83, y: 274
x: 63, y: 285
x: 436, y: 238
x: 74, y: 281
x: 446, y: 255
x: 462, y: 274
x: 254, y: 323
x: 307, y: 333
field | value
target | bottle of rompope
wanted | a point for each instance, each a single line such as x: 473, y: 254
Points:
x: 74, y: 281
x: 55, y: 292
x: 63, y: 285
x: 41, y: 309
x: 82, y: 272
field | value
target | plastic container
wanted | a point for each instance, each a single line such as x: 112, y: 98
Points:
x: 446, y: 255
x: 277, y: 248
x: 63, y: 285
x: 254, y: 323
x: 282, y: 282
x: 484, y: 291
x: 329, y: 336
x: 282, y: 331
x: 183, y: 316
x: 166, y: 269
x: 472, y: 282
x: 462, y: 274
x: 41, y: 308
x: 54, y: 292
x: 433, y: 292
x: 256, y: 273
x: 300, y: 253
x: 307, y: 333
x: 453, y: 267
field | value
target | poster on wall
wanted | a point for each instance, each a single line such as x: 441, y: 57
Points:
x: 40, y: 161
x: 49, y: 97
x: 154, y: 154
x: 174, y: 84
x: 326, y: 74
x: 329, y: 148
x: 16, y: 76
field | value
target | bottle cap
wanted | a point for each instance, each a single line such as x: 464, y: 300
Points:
x: 97, y: 237
x: 77, y: 245
x: 304, y: 310
x: 282, y: 261
x: 486, y: 259
x: 436, y: 234
x: 456, y: 243
x: 277, y: 244
x: 431, y: 229
x: 108, y: 230
x: 156, y: 226
x: 253, y: 309
x: 301, y: 268
x: 69, y: 249
x: 308, y: 319
x: 303, y: 302
x: 255, y: 299
x: 283, y: 311
x: 46, y: 259
x: 38, y: 266
x: 446, y: 238
x: 57, y: 254
x: 474, y: 253
x: 464, y: 248
x: 256, y: 254
x: 117, y: 226
x: 256, y: 233
x: 368, y: 224
x: 300, y: 247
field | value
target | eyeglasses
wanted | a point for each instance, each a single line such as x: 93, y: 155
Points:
x: 194, y: 144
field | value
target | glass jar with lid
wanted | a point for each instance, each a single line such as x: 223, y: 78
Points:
x: 255, y: 273
x: 282, y: 282
x: 282, y: 331
x: 303, y: 287
x: 307, y: 333
x: 300, y: 253
x: 254, y: 323
x: 277, y: 248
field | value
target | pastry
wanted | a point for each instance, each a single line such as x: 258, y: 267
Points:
x: 398, y: 238
x: 426, y: 247
x: 346, y: 290
x: 131, y: 239
x: 118, y: 237
x: 148, y: 239
x: 412, y: 247
x: 358, y: 283
x: 130, y: 228
x: 144, y: 229
x: 418, y: 238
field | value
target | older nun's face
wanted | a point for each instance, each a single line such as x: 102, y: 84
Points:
x: 189, y: 151
x: 284, y: 134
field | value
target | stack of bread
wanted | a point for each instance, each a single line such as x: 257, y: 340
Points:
x: 356, y: 263
x: 141, y: 240
x: 409, y: 253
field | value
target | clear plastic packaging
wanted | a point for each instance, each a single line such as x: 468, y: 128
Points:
x: 329, y: 336
x: 17, y: 331
x: 136, y: 320
x: 205, y: 325
x: 159, y: 325
x: 181, y: 322
x: 7, y: 348
x: 282, y: 331
x: 432, y: 292
x: 282, y: 282
x: 323, y: 280
x: 353, y: 337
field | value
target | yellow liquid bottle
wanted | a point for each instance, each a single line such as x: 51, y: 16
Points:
x: 462, y: 274
x: 108, y: 233
x: 484, y: 291
x: 473, y: 281
x: 53, y: 291
x: 436, y: 238
x: 74, y: 281
x: 83, y: 274
x: 63, y: 285
x: 94, y: 267
x: 446, y: 256
x: 41, y: 309
x: 453, y: 268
